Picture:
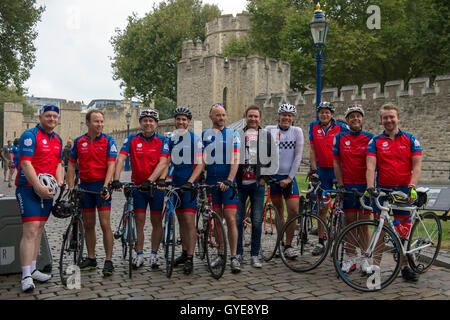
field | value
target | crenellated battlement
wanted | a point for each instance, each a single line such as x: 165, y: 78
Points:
x: 418, y: 87
x: 191, y: 49
x: 228, y: 23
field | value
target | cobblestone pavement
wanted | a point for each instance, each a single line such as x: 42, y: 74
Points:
x: 273, y: 281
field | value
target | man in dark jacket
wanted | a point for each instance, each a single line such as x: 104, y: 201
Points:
x: 254, y: 166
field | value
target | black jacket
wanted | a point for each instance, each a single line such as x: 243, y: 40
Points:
x: 263, y: 137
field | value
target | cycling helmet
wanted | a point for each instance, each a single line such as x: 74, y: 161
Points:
x: 62, y: 209
x: 149, y: 113
x: 182, y: 111
x: 286, y: 107
x: 354, y: 108
x: 47, y: 180
x: 326, y: 105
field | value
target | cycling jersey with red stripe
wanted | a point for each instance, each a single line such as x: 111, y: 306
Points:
x: 93, y: 156
x: 350, y: 148
x: 394, y: 157
x: 183, y: 150
x: 144, y: 154
x: 219, y: 149
x: 43, y: 149
x: 322, y: 139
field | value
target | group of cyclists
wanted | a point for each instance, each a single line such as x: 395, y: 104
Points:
x: 249, y: 158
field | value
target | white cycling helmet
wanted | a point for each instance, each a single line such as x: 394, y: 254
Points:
x: 47, y: 180
x: 149, y: 113
x: 286, y: 107
x: 354, y: 108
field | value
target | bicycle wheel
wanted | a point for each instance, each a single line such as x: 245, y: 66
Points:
x: 425, y: 234
x: 269, y: 233
x: 216, y: 246
x: 361, y: 262
x: 130, y: 242
x: 169, y: 244
x: 71, y: 249
x: 304, y: 241
x: 200, y: 226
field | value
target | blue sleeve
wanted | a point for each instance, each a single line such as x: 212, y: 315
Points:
x: 112, y: 149
x: 126, y: 146
x: 336, y: 143
x: 311, y: 125
x: 416, y: 148
x: 74, y: 151
x: 372, y: 147
x: 27, y: 145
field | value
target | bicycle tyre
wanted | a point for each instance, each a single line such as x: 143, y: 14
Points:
x: 216, y: 246
x: 303, y: 243
x: 422, y: 260
x: 350, y: 238
x: 169, y: 244
x: 200, y: 228
x: 71, y: 249
x: 270, y: 232
x: 130, y: 243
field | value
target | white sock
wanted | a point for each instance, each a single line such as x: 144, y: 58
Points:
x: 26, y: 271
x: 33, y: 265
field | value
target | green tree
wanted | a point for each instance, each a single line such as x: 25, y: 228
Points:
x: 18, y: 19
x: 147, y: 51
x: 413, y: 40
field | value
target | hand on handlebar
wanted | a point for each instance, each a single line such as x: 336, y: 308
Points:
x: 224, y: 185
x: 371, y: 192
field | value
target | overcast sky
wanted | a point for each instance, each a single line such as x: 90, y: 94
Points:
x: 73, y: 48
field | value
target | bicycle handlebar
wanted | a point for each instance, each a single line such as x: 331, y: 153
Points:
x: 211, y: 187
x: 361, y: 196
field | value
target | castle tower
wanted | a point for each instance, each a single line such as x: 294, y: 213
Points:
x: 206, y: 77
x: 12, y: 121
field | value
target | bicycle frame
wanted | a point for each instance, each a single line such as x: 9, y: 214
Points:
x: 384, y: 217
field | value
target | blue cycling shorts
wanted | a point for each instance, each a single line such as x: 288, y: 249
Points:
x: 222, y: 198
x: 142, y: 199
x: 351, y: 203
x: 92, y: 201
x: 185, y: 205
x: 326, y: 177
x: 30, y: 205
x: 276, y: 191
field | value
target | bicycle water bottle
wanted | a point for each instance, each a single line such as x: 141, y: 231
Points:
x: 402, y: 229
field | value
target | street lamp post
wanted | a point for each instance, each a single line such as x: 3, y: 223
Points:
x: 127, y: 161
x: 319, y: 28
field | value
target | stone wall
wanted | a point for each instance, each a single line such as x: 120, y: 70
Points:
x: 424, y: 112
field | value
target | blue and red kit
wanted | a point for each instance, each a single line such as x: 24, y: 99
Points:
x: 93, y: 157
x: 144, y: 157
x: 350, y: 148
x: 44, y: 151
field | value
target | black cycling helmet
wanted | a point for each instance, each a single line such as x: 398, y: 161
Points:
x: 182, y: 111
x: 149, y: 113
x: 62, y: 209
x: 326, y: 105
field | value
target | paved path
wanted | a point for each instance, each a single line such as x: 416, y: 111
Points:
x: 273, y: 281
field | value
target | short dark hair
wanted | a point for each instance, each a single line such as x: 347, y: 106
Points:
x: 88, y: 115
x: 252, y: 107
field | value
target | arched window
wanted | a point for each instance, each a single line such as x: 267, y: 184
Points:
x: 224, y: 98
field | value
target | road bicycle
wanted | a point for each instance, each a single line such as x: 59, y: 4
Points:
x: 306, y: 237
x: 126, y: 231
x: 367, y: 253
x: 73, y: 238
x: 211, y: 235
x: 171, y: 201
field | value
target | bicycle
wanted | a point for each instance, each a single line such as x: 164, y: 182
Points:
x: 376, y: 247
x: 73, y: 238
x: 270, y: 226
x: 305, y: 238
x: 211, y: 235
x: 171, y: 201
x: 126, y: 231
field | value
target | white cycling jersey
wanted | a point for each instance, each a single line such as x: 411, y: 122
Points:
x: 290, y: 149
